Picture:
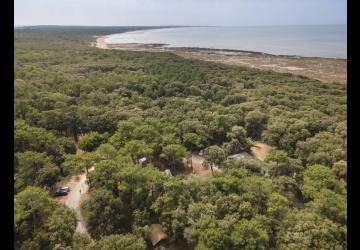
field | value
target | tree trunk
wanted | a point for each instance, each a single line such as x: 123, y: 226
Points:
x: 76, y: 137
x: 34, y: 219
x: 191, y: 154
x: 173, y: 164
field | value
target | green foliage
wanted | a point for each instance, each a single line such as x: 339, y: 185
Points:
x: 194, y: 132
x: 318, y: 177
x: 173, y: 154
x: 255, y: 122
x: 118, y: 189
x: 214, y: 239
x: 238, y: 141
x: 192, y: 141
x: 171, y: 204
x: 233, y: 99
x: 237, y: 132
x: 281, y: 164
x: 68, y: 145
x: 331, y: 205
x: 138, y: 149
x: 249, y: 234
x: 106, y: 214
x: 340, y: 169
x: 41, y: 223
x: 214, y: 155
x: 74, y: 163
x: 133, y: 104
x: 35, y: 169
x: 147, y: 133
x: 307, y: 230
x: 324, y: 148
x: 123, y: 242
x: 60, y: 226
x: 92, y: 140
x: 106, y: 152
x: 28, y: 138
x: 123, y: 133
x: 278, y: 206
x: 81, y: 241
x: 284, y: 132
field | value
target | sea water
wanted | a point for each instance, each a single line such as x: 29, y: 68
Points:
x: 309, y: 40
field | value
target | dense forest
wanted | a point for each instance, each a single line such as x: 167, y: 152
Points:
x: 120, y: 106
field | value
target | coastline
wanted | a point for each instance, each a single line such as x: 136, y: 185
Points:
x: 327, y: 70
x: 100, y: 42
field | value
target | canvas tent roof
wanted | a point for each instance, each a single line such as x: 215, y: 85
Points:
x: 240, y: 156
x: 168, y: 172
x: 157, y: 234
x: 142, y: 160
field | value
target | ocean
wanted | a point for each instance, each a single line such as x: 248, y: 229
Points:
x: 329, y: 41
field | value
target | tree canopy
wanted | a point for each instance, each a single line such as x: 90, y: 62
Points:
x: 78, y: 106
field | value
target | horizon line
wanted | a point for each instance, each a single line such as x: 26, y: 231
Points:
x: 172, y: 25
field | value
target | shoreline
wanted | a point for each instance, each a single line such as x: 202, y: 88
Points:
x: 100, y: 42
x: 327, y: 70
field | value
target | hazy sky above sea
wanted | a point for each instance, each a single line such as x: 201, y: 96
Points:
x: 179, y: 12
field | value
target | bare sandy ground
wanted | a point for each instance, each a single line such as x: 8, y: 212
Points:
x: 78, y: 188
x: 324, y: 69
x: 198, y: 171
x: 100, y: 42
x: 260, y: 150
x: 78, y: 193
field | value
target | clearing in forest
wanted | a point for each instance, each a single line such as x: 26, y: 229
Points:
x: 260, y: 150
x: 198, y: 171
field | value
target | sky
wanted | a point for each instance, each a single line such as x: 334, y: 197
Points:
x: 179, y: 12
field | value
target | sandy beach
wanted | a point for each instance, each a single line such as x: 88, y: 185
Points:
x: 327, y: 70
x: 100, y: 42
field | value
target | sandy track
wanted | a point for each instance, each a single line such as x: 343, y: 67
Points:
x: 73, y: 201
x: 78, y: 190
x: 260, y: 150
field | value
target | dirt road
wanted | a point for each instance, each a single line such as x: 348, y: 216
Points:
x: 73, y: 201
x: 78, y: 188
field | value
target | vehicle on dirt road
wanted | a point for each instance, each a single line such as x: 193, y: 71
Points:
x: 62, y: 191
x: 67, y: 189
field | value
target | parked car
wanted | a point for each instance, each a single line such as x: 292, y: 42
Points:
x: 66, y: 189
x: 83, y: 170
x: 201, y: 152
x: 60, y: 192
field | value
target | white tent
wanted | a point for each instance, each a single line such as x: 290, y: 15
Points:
x: 142, y: 160
x: 168, y: 172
